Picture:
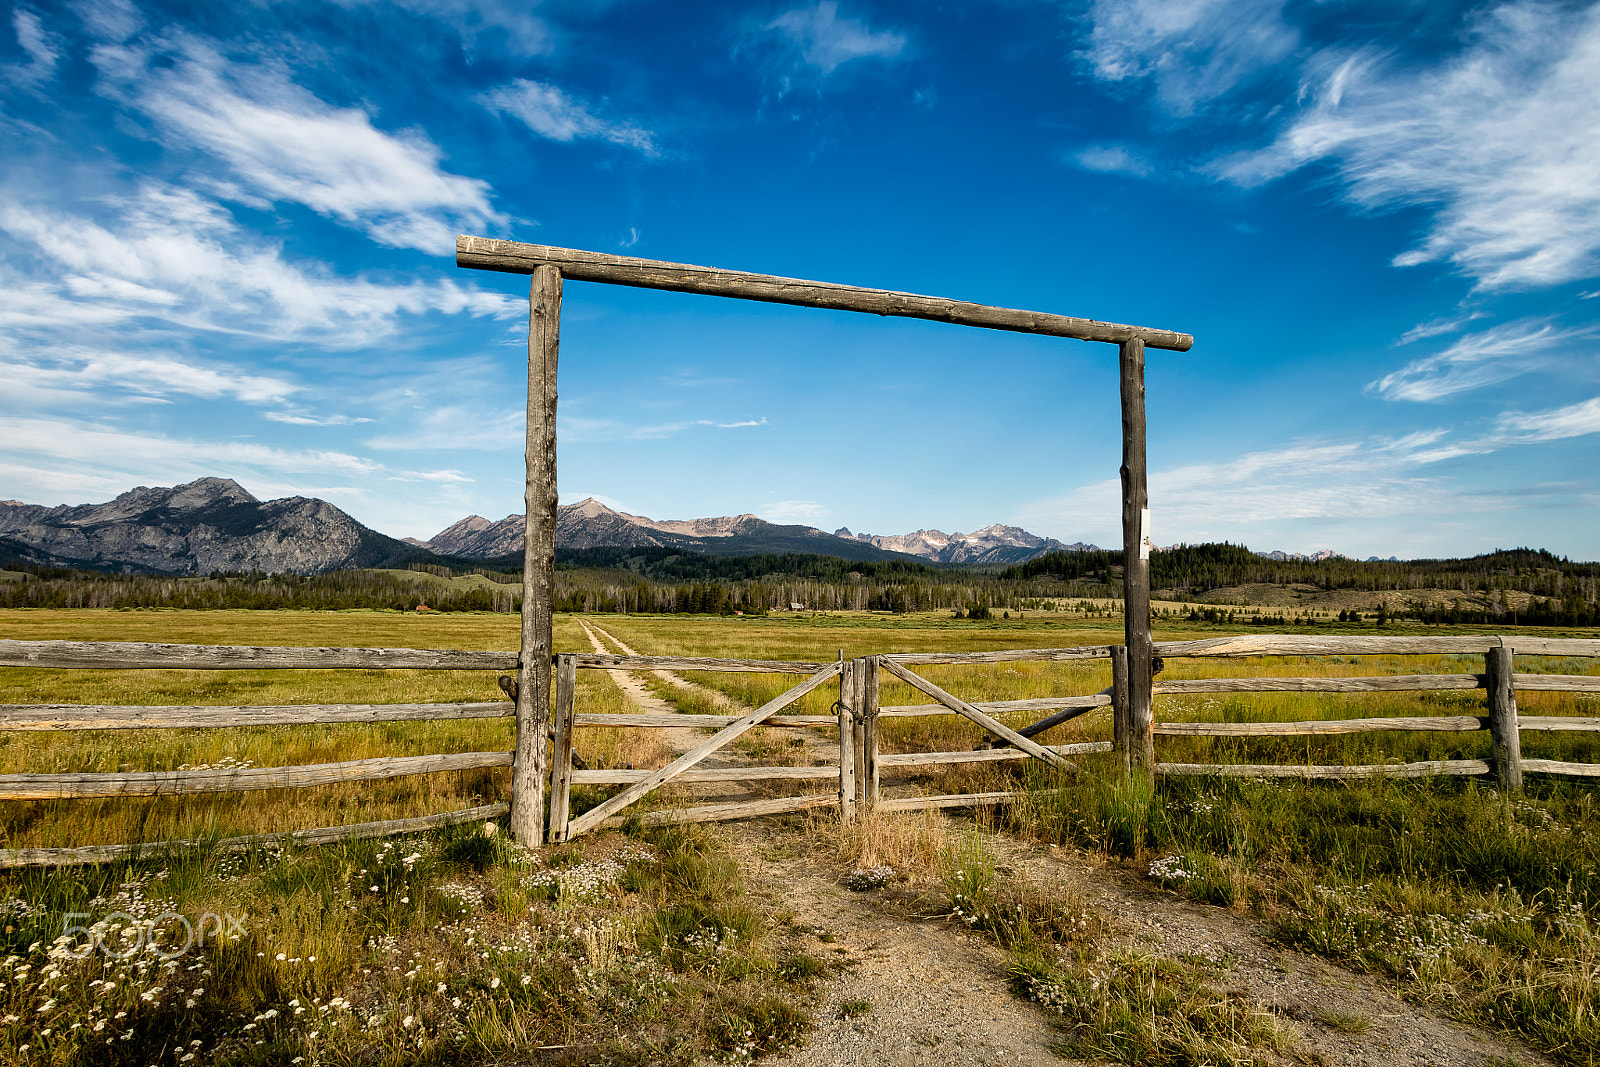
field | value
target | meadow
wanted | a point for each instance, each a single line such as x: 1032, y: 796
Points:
x: 457, y: 946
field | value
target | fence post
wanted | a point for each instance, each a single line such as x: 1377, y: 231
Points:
x: 1136, y: 558
x: 538, y: 559
x: 1503, y: 728
x: 847, y: 738
x: 561, y: 749
x: 1119, y: 707
x: 868, y: 688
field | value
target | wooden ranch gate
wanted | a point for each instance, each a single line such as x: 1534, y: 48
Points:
x: 551, y: 267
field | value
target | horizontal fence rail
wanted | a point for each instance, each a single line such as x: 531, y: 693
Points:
x: 514, y: 257
x: 861, y: 763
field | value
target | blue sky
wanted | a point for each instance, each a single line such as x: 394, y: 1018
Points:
x: 226, y: 237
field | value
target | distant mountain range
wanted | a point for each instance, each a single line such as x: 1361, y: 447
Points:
x: 214, y: 524
x: 590, y: 524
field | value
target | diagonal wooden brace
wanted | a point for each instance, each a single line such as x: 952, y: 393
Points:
x: 961, y: 707
x: 597, y: 815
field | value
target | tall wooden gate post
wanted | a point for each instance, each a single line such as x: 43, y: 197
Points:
x: 1504, y: 732
x: 538, y: 559
x: 561, y: 748
x: 1136, y: 560
x: 1119, y: 707
x: 867, y: 687
x: 847, y: 740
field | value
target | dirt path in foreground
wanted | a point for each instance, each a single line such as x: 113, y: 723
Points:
x: 939, y: 996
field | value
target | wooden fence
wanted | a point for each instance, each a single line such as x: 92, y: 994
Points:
x: 854, y: 780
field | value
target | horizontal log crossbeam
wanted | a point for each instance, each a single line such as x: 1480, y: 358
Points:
x: 514, y: 257
x: 232, y: 780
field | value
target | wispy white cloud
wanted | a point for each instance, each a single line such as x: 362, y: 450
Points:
x: 794, y: 511
x: 1195, y: 50
x: 1350, y: 481
x: 170, y: 254
x: 827, y: 42
x: 1437, y: 327
x: 439, y: 477
x: 109, y: 20
x: 552, y: 113
x: 294, y: 418
x: 86, y: 371
x: 1479, y: 359
x: 283, y: 144
x: 1502, y: 140
x: 42, y: 46
x: 732, y: 425
x: 453, y: 427
x: 1112, y: 159
x: 49, y: 459
x: 1552, y: 424
x: 516, y: 21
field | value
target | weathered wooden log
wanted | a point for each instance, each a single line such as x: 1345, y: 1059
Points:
x: 1555, y: 723
x: 136, y: 655
x: 1004, y: 655
x: 1322, y: 727
x: 748, y: 809
x: 708, y: 774
x: 1005, y: 707
x: 1136, y: 561
x: 604, y: 661
x: 1555, y: 683
x: 959, y: 800
x: 985, y: 755
x: 1068, y: 712
x: 561, y: 764
x: 172, y: 783
x: 1121, y: 725
x: 89, y: 854
x: 1502, y: 701
x: 1424, y: 769
x: 172, y: 717
x: 528, y: 772
x: 598, y: 814
x: 587, y: 718
x: 994, y: 726
x: 847, y: 744
x: 867, y: 686
x: 1554, y: 766
x: 1352, y: 645
x: 514, y: 257
x: 1379, y: 684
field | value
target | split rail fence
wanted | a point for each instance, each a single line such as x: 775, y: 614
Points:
x: 854, y: 780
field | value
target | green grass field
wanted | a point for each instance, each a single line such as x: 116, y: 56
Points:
x: 1487, y: 906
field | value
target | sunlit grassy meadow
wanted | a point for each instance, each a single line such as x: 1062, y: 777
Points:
x: 468, y: 948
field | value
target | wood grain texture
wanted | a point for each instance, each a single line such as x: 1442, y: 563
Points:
x: 561, y: 766
x: 708, y: 774
x: 540, y: 499
x: 136, y: 655
x: 1120, y: 729
x: 1558, y: 723
x: 1553, y: 766
x: 1318, y: 645
x: 847, y: 745
x: 591, y: 718
x: 955, y: 703
x: 595, y: 816
x: 985, y: 755
x: 748, y: 809
x: 481, y: 253
x: 77, y: 857
x: 1380, y: 770
x: 1136, y: 561
x: 1379, y: 684
x: 1322, y: 727
x: 170, y: 717
x: 957, y: 800
x: 867, y: 688
x: 1005, y: 707
x: 171, y: 783
x: 1505, y: 737
x: 1556, y: 683
x: 604, y: 661
x: 1005, y: 655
